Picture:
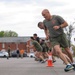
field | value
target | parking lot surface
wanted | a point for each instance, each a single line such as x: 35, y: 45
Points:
x: 27, y: 66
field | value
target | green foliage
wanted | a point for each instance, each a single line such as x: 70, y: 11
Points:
x: 8, y: 34
x: 73, y: 49
x: 69, y: 30
x: 2, y: 34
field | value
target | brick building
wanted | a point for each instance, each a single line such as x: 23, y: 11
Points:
x: 14, y: 43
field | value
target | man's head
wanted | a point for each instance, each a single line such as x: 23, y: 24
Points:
x: 31, y: 38
x: 46, y: 14
x: 41, y: 25
x: 36, y: 37
x: 35, y: 34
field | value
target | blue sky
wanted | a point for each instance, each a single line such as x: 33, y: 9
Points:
x: 22, y: 16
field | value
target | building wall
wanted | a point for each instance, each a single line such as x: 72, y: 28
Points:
x: 0, y: 46
x: 13, y: 46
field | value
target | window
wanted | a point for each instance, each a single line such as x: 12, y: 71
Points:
x: 3, y: 45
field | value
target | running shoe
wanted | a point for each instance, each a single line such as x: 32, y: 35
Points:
x: 73, y: 66
x: 68, y: 68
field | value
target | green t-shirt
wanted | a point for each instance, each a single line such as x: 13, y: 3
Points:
x: 45, y: 47
x: 55, y: 21
x: 37, y: 45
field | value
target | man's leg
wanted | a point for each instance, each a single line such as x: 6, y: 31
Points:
x: 60, y: 54
x: 62, y: 57
x: 69, y: 54
x: 67, y: 58
x: 41, y: 57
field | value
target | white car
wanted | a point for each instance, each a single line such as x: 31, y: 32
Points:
x: 31, y: 54
x: 3, y: 54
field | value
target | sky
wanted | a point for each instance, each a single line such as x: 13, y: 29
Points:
x: 22, y: 16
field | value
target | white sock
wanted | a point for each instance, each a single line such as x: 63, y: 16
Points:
x: 68, y: 64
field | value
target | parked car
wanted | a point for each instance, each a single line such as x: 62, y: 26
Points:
x: 3, y: 54
x: 31, y: 54
x: 25, y: 54
x: 14, y: 54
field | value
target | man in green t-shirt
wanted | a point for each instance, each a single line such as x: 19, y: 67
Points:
x: 53, y: 27
x: 38, y: 48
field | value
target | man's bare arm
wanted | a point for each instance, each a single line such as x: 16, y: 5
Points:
x: 46, y: 33
x: 61, y: 26
x: 65, y: 24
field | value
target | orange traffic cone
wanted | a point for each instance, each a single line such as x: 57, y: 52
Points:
x: 50, y: 63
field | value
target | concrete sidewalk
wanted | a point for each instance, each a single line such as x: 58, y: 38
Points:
x: 27, y: 66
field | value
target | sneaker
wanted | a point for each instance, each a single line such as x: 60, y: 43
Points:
x: 68, y: 68
x: 43, y: 61
x: 54, y: 61
x: 40, y: 60
x: 73, y: 66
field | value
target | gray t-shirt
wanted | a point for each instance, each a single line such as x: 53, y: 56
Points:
x: 55, y: 21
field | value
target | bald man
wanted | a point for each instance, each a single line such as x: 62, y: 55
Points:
x: 53, y: 27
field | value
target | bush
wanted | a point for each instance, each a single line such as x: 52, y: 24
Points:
x: 73, y: 49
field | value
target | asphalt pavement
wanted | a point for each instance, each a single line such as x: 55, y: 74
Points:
x: 27, y: 66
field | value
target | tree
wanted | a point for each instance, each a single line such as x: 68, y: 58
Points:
x: 69, y: 30
x: 8, y: 34
x: 73, y: 47
x: 1, y: 33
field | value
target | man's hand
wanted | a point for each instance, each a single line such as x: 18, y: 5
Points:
x: 27, y: 46
x: 47, y: 37
x: 56, y: 27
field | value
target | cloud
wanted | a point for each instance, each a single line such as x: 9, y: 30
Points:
x: 22, y: 16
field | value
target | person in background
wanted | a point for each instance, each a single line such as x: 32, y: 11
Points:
x: 38, y: 49
x: 36, y: 37
x: 45, y: 48
x: 18, y: 53
x: 21, y: 52
x: 9, y: 49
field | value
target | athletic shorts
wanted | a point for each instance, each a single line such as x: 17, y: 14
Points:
x: 60, y: 40
x: 45, y: 49
x: 39, y: 49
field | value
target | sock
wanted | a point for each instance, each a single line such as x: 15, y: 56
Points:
x: 68, y: 64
